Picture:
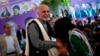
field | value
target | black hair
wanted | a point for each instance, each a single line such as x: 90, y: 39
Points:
x: 16, y: 7
x: 96, y: 17
x: 87, y: 26
x: 62, y: 27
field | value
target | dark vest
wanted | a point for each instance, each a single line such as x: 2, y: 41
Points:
x: 33, y: 51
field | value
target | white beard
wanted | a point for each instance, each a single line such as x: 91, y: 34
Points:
x: 46, y: 19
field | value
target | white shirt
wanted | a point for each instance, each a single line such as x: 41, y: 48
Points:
x: 21, y: 31
x: 10, y: 44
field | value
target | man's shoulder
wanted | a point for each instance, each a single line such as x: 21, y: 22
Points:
x: 30, y: 21
x: 14, y: 36
x: 1, y: 36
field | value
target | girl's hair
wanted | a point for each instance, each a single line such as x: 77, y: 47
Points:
x: 62, y: 27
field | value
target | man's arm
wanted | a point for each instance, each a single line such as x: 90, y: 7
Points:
x: 2, y: 46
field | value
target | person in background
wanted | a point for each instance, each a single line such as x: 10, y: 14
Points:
x: 9, y: 45
x: 89, y: 34
x: 94, y: 24
x: 96, y: 38
x: 67, y: 14
x: 21, y: 35
x: 52, y: 22
x: 76, y: 42
x: 38, y: 46
x: 79, y: 25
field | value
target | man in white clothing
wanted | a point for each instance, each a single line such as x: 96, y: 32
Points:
x: 9, y: 45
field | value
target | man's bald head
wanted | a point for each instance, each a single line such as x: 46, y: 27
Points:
x: 42, y: 6
x: 43, y: 12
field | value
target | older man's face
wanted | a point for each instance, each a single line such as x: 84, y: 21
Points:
x: 44, y: 13
x: 7, y: 29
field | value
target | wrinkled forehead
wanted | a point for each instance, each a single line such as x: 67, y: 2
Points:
x: 7, y: 26
x: 43, y: 8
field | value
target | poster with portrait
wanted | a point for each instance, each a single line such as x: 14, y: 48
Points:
x: 25, y: 7
x: 6, y: 9
x: 15, y: 9
x: 11, y: 8
x: 83, y: 8
x: 5, y: 12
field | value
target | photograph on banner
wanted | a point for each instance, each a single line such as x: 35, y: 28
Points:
x: 5, y: 12
x: 83, y: 10
x: 16, y: 10
x: 25, y: 7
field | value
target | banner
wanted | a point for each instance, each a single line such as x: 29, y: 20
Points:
x: 10, y: 8
x: 8, y: 2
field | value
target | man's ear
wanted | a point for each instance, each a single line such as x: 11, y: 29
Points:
x: 38, y: 13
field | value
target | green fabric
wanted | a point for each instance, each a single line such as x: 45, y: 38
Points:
x: 81, y: 50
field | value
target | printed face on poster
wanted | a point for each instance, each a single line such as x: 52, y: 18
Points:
x: 11, y: 8
x: 17, y: 7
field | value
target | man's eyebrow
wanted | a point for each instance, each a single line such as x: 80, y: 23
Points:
x: 46, y: 11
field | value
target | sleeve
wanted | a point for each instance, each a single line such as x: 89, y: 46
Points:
x: 17, y: 45
x: 2, y: 46
x: 36, y: 42
x: 78, y: 45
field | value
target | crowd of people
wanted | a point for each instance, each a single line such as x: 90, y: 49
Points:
x: 79, y: 39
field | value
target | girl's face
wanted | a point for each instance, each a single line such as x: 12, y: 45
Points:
x: 61, y: 47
